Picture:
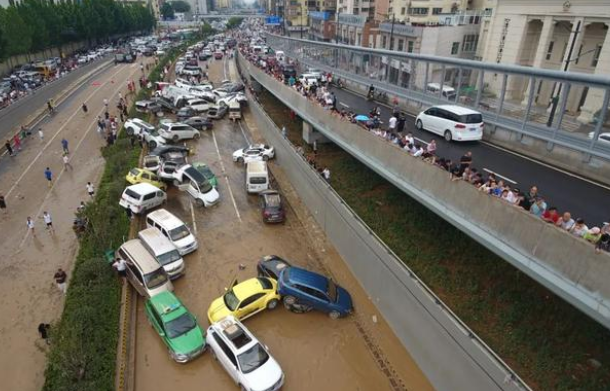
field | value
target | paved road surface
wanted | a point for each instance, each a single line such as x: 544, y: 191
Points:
x: 566, y: 192
x: 28, y: 295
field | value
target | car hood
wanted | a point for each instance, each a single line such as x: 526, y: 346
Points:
x: 188, y: 342
x: 218, y: 310
x: 344, y: 300
x: 264, y: 377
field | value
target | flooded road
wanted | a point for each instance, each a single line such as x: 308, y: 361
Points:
x: 356, y: 353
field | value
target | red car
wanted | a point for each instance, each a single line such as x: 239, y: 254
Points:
x: 272, y: 207
x: 218, y: 55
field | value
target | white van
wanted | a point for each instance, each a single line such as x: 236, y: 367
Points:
x: 143, y: 271
x: 142, y: 197
x: 176, y: 95
x: 257, y: 176
x: 163, y: 250
x: 173, y: 229
x: 193, y: 182
x: 280, y: 56
x: 448, y: 91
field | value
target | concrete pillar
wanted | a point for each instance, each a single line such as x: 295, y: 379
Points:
x: 548, y: 26
x: 310, y: 134
x: 595, y: 96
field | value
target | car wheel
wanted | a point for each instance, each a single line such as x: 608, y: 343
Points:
x: 175, y: 138
x: 197, y: 136
x: 448, y: 135
x: 152, y: 145
x: 240, y: 160
x: 419, y: 125
x: 265, y: 157
x: 334, y: 314
x: 129, y: 131
x: 242, y: 388
x: 272, y: 304
x: 199, y: 203
x: 289, y: 301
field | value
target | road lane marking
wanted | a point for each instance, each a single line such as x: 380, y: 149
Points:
x: 244, y: 133
x: 222, y: 167
x: 487, y: 170
x: 68, y: 121
x: 27, y: 234
x: 344, y: 105
x: 193, y: 218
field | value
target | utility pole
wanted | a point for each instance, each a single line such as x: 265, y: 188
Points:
x: 392, y: 31
x: 302, y: 10
x: 337, y: 27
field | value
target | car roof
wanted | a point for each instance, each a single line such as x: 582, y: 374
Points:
x: 165, y: 218
x: 167, y: 305
x: 308, y: 278
x: 459, y: 110
x: 141, y: 170
x: 143, y: 259
x: 243, y: 288
x: 231, y: 329
x: 143, y: 188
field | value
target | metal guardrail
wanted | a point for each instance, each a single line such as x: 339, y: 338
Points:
x: 514, y: 106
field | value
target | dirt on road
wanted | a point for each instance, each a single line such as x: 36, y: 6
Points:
x: 28, y: 295
x: 356, y: 353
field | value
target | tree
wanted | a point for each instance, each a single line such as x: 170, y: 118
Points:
x: 167, y: 11
x: 234, y: 23
x: 181, y: 6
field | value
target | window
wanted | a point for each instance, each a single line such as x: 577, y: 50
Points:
x: 455, y: 48
x: 227, y: 351
x: 410, y: 45
x: 403, y: 11
x: 401, y: 45
x: 418, y: 11
x: 596, y: 54
x: 469, y: 44
x: 436, y: 11
x: 250, y: 300
x: 149, y: 196
x: 392, y: 43
x: 549, y: 51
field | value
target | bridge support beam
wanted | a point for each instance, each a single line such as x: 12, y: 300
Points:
x: 311, y: 135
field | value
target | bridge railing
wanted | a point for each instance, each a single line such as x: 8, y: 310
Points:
x: 568, y: 109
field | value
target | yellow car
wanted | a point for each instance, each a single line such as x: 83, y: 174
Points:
x: 138, y: 175
x: 245, y: 299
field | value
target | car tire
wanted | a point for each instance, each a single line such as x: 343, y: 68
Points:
x: 448, y: 135
x: 129, y: 131
x: 272, y: 304
x: 419, y: 125
x: 265, y: 158
x: 152, y: 144
x: 289, y: 301
x: 242, y: 388
x: 240, y: 160
x: 175, y: 138
x: 197, y: 136
x: 334, y: 314
x: 200, y: 203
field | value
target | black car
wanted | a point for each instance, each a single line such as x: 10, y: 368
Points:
x: 164, y: 104
x: 272, y: 208
x: 199, y: 123
x: 163, y: 150
x: 233, y: 87
x: 271, y: 266
x: 186, y: 113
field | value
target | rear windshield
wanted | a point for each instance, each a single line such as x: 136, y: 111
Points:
x: 134, y: 171
x: 258, y: 180
x: 471, y: 118
x: 132, y: 194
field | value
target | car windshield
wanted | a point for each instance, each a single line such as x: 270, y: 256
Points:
x: 332, y: 290
x: 181, y: 325
x: 179, y: 233
x: 202, y: 182
x: 231, y: 301
x: 169, y: 257
x: 252, y: 358
x: 258, y: 180
x: 155, y: 279
x: 471, y: 119
x: 134, y: 171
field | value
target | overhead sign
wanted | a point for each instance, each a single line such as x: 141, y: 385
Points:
x: 273, y: 21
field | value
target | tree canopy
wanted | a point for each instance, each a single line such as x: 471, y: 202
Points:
x: 167, y: 11
x: 234, y: 22
x: 180, y: 6
x: 32, y: 25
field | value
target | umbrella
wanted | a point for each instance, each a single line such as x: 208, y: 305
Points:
x: 362, y: 118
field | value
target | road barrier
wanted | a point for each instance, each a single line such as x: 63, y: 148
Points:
x: 565, y: 264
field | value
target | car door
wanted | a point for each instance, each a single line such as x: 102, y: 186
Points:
x: 316, y: 298
x: 193, y: 189
x: 134, y: 276
x: 226, y: 357
x: 431, y: 120
x: 250, y: 305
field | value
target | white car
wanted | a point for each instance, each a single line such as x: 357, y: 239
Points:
x: 254, y: 152
x: 199, y: 105
x: 245, y: 359
x: 188, y: 179
x: 220, y: 93
x: 177, y: 131
x: 167, y: 170
x: 603, y: 138
x: 183, y: 83
x: 137, y: 127
x: 452, y: 122
x: 238, y: 97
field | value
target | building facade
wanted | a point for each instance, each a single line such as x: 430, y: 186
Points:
x: 321, y: 26
x: 551, y: 34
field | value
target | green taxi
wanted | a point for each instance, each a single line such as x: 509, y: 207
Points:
x: 176, y: 326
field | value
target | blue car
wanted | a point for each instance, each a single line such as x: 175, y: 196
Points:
x: 303, y: 290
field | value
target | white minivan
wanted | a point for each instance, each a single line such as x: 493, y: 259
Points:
x: 142, y: 197
x: 448, y: 91
x: 452, y: 122
x: 163, y: 250
x: 193, y: 182
x: 174, y: 229
x: 257, y: 176
x: 143, y: 271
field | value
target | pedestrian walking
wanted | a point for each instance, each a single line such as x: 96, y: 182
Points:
x: 326, y: 174
x: 43, y: 330
x: 2, y: 204
x: 48, y: 221
x: 49, y: 175
x: 81, y: 207
x: 284, y: 132
x: 90, y: 189
x: 31, y: 226
x: 60, y: 279
x: 17, y: 142
x: 85, y: 108
x: 106, y: 105
x: 9, y: 148
x: 40, y: 134
x: 66, y: 159
x: 64, y: 145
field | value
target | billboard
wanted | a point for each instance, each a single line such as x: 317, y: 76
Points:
x: 273, y: 21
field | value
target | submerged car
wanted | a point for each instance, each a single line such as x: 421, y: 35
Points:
x: 272, y: 208
x: 307, y: 290
x: 245, y: 299
x: 176, y: 326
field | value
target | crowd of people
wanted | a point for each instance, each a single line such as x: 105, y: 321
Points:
x: 463, y: 170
